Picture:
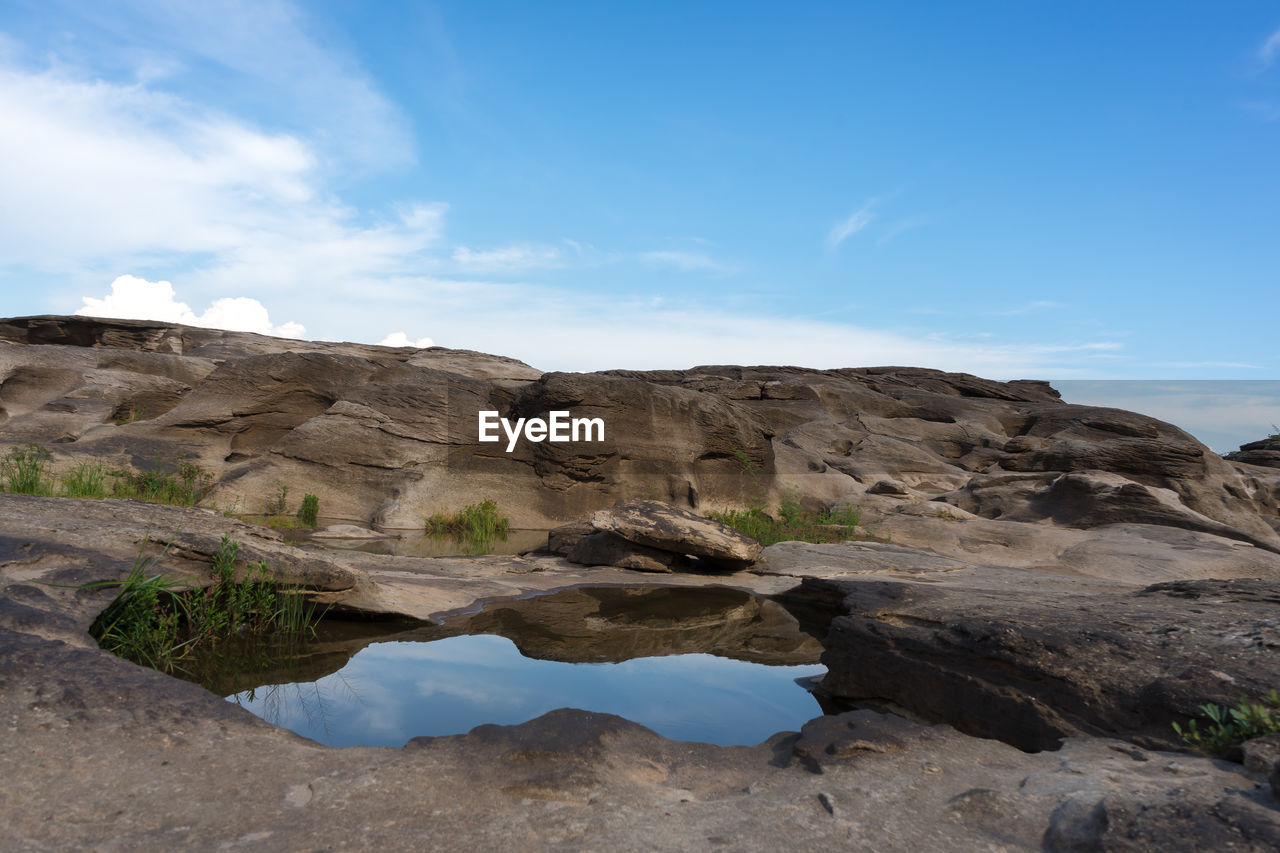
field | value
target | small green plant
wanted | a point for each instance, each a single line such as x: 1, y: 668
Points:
x: 790, y: 512
x: 135, y: 626
x: 1275, y: 431
x: 794, y: 524
x: 310, y: 510
x: 154, y: 622
x: 86, y: 480
x: 475, y: 521
x: 845, y: 515
x: 477, y: 525
x: 23, y: 469
x: 279, y: 505
x: 1230, y: 727
x: 187, y: 486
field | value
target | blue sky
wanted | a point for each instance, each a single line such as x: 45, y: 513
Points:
x: 1014, y: 189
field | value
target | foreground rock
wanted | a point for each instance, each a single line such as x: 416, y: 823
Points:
x: 576, y: 780
x: 1032, y: 660
x: 568, y: 780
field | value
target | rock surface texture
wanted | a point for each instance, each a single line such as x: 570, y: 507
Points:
x: 653, y: 536
x: 386, y: 436
x: 1051, y: 588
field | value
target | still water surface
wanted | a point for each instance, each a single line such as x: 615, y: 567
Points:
x: 390, y: 692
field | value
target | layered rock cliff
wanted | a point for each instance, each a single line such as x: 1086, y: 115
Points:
x: 386, y: 436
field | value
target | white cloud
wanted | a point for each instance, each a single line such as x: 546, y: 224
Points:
x: 520, y: 256
x: 555, y: 329
x: 850, y: 225
x: 1032, y: 307
x: 893, y: 230
x: 1270, y: 49
x: 400, y: 339
x: 133, y: 298
x: 91, y: 168
x: 263, y: 55
x: 99, y: 175
x: 686, y: 261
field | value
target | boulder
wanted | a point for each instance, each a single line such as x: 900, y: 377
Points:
x: 668, y: 528
x: 602, y: 548
x: 888, y: 487
x: 1030, y: 659
x: 1261, y: 754
x: 560, y: 540
x: 1265, y: 453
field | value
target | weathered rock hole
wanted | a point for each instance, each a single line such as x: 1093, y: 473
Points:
x: 704, y: 664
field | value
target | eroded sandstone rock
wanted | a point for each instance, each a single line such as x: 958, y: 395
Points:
x: 385, y: 436
x: 1032, y: 660
x: 660, y: 526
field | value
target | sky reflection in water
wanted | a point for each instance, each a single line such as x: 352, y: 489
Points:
x: 390, y: 692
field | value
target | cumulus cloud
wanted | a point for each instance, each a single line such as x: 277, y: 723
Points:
x: 133, y: 298
x: 400, y: 339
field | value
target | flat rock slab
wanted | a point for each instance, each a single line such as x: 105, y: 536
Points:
x: 667, y: 528
x: 184, y: 769
x: 1032, y: 660
x: 802, y: 559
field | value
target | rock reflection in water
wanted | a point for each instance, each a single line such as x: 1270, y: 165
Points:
x: 713, y: 665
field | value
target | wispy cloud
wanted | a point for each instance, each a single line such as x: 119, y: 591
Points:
x: 1263, y: 110
x: 514, y: 258
x: 265, y: 58
x: 686, y: 261
x: 893, y: 230
x: 1033, y: 307
x: 127, y: 176
x: 850, y: 225
x: 1270, y: 49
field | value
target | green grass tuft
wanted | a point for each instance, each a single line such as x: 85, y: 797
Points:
x: 477, y: 525
x: 187, y: 486
x: 23, y: 470
x: 310, y: 510
x: 476, y: 521
x: 152, y: 622
x: 794, y: 524
x: 86, y: 480
x: 278, y: 505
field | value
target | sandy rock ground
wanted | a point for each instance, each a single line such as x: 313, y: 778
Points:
x: 1038, y: 591
x: 100, y: 753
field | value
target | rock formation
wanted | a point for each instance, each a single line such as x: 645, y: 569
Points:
x: 652, y: 536
x: 386, y: 436
x: 1051, y: 587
